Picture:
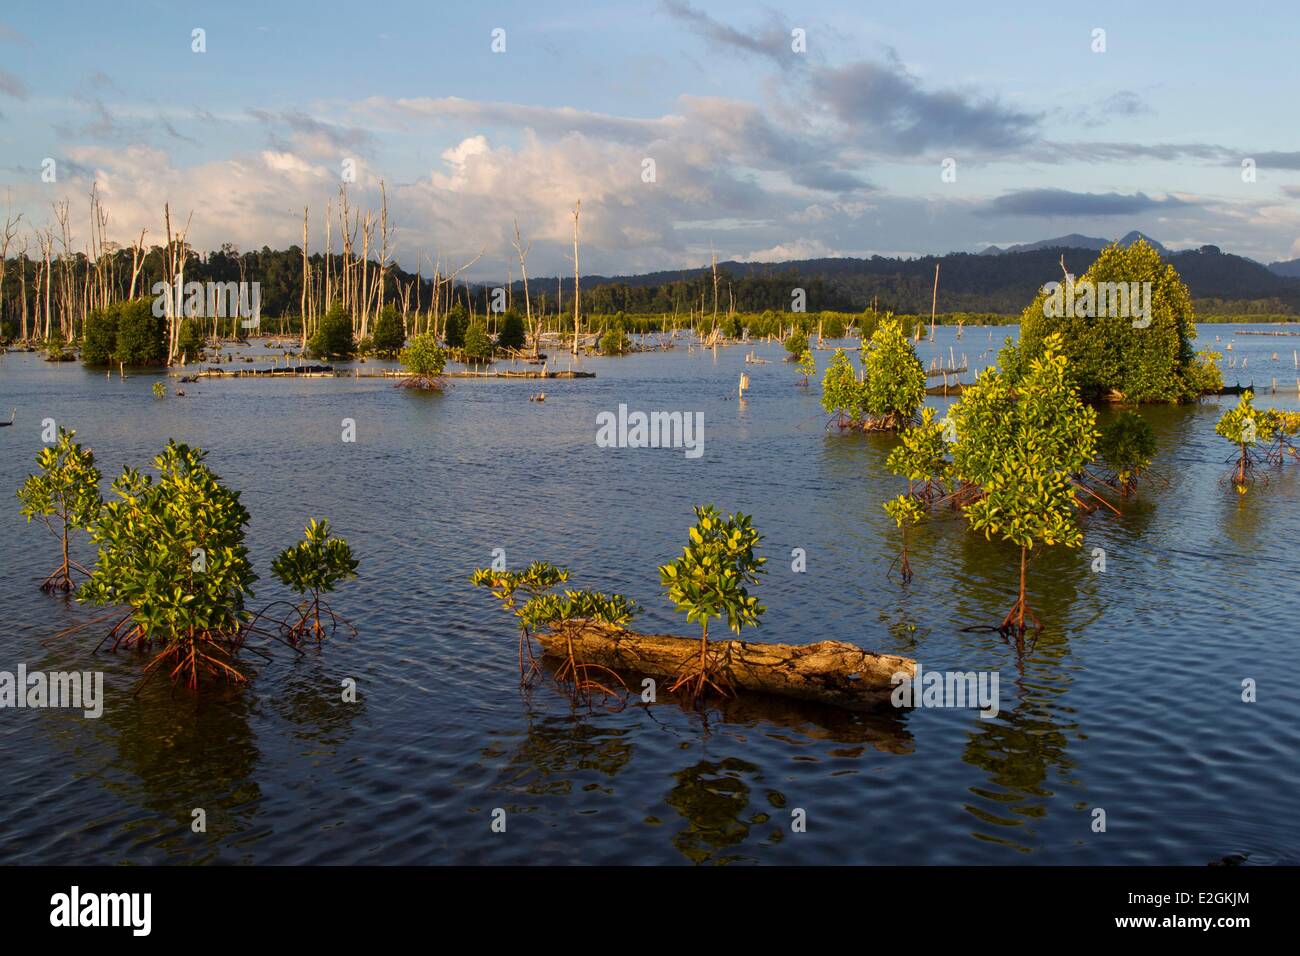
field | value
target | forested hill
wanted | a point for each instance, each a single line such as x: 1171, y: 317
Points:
x: 1003, y: 283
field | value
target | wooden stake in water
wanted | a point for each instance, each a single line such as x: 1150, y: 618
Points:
x: 934, y: 299
x: 744, y: 384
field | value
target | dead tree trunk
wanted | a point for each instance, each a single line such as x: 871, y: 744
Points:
x: 577, y: 293
x: 831, y: 672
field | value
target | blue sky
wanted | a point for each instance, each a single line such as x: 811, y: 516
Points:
x: 760, y: 152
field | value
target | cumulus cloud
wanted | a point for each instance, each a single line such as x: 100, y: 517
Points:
x: 297, y: 131
x: 788, y: 251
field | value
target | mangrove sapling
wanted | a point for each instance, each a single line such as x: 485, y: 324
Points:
x: 65, y: 496
x: 711, y: 580
x: 842, y: 393
x: 807, y: 367
x: 171, y: 551
x: 478, y: 346
x: 1022, y: 444
x: 921, y: 458
x: 534, y: 581
x: 615, y: 341
x: 561, y: 613
x: 796, y: 344
x: 906, y: 512
x: 333, y: 338
x: 1248, y: 429
x: 1286, y: 427
x: 389, y: 335
x: 893, y: 379
x: 313, y: 567
x: 425, y: 359
x: 159, y: 390
x: 1127, y: 445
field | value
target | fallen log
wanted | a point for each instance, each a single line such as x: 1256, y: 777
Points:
x: 830, y: 672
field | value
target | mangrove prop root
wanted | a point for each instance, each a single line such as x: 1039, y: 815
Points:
x: 697, y: 674
x: 194, y: 655
x: 527, y: 673
x: 60, y: 579
x: 577, y: 675
x: 831, y: 672
x: 1020, y: 620
x: 312, y: 620
x: 905, y: 571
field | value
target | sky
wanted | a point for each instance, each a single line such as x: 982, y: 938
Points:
x: 759, y: 133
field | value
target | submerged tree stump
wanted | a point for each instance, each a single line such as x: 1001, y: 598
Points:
x: 831, y: 672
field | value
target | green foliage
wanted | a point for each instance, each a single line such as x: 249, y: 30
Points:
x: 807, y: 365
x: 333, y: 338
x: 99, y: 337
x: 712, y: 576
x: 65, y: 489
x: 317, y: 562
x: 614, y: 341
x: 478, y: 346
x: 456, y: 324
x: 1021, y: 445
x: 1203, y: 375
x: 141, y: 335
x: 551, y: 609
x: 894, y: 378
x: 796, y: 343
x: 389, y: 336
x: 172, y: 551
x: 1127, y: 444
x: 67, y: 486
x: 536, y: 579
x: 922, y: 452
x: 842, y: 393
x: 126, y: 332
x: 1106, y: 353
x: 190, y: 338
x: 543, y: 609
x: 425, y: 359
x: 1245, y: 425
x: 832, y: 324
x: 159, y: 390
x: 905, y: 510
x: 510, y: 333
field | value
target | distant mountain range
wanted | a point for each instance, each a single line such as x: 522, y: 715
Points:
x: 995, y: 280
x: 1076, y: 241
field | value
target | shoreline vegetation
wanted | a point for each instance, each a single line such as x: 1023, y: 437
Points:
x: 148, y: 304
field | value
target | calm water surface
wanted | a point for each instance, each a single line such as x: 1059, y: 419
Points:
x: 1129, y: 701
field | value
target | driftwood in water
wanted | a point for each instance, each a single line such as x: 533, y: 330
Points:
x: 831, y: 672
